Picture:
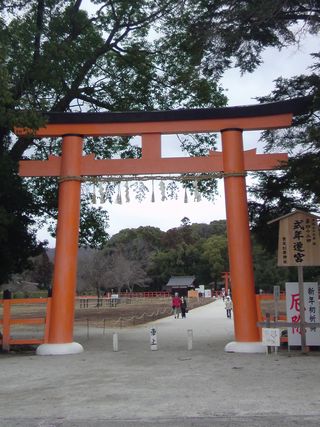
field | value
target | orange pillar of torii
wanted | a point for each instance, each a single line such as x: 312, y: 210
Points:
x: 233, y: 162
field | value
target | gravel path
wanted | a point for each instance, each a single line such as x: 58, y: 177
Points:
x: 173, y: 386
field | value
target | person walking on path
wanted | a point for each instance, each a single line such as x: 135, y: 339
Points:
x: 229, y: 306
x: 176, y: 305
x: 183, y: 307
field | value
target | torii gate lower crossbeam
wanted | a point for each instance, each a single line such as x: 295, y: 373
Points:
x: 233, y: 162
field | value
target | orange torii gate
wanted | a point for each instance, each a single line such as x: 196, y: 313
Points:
x: 232, y: 162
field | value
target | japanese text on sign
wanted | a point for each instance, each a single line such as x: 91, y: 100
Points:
x: 299, y: 240
x: 311, y: 312
x: 153, y: 339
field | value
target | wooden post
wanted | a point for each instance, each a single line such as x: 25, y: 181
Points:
x: 47, y: 324
x: 6, y: 325
x: 115, y: 341
x: 304, y: 348
x: 268, y: 349
x: 190, y: 338
x: 239, y: 241
x: 276, y: 297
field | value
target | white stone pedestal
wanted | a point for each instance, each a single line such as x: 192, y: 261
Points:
x: 245, y: 347
x: 59, y: 349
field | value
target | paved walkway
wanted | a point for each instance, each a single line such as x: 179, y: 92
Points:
x: 173, y: 386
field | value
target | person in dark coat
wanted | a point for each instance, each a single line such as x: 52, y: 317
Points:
x: 183, y: 307
x: 229, y: 306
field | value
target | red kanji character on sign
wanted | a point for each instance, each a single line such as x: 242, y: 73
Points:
x: 295, y: 302
x: 295, y: 319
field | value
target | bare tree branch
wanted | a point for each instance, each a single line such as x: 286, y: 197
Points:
x: 38, y: 32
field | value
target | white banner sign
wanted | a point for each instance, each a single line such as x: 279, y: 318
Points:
x: 207, y: 293
x: 311, y: 304
x: 271, y: 337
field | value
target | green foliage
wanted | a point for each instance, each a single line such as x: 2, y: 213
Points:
x: 294, y: 187
x: 214, y: 35
x: 191, y: 249
x: 135, y: 244
x: 26, y: 294
x: 93, y: 225
x: 57, y: 56
x: 93, y: 218
x: 146, y: 257
x: 215, y: 253
x: 17, y: 238
x: 266, y: 272
x: 186, y: 251
x: 40, y: 271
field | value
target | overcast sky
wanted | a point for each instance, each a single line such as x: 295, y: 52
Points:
x: 241, y: 90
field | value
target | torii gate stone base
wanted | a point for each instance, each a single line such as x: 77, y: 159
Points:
x: 233, y: 162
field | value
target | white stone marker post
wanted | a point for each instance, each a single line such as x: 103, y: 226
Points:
x: 153, y: 339
x: 190, y: 339
x: 115, y: 341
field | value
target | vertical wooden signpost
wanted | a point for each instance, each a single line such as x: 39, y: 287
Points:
x: 299, y: 246
x: 276, y: 296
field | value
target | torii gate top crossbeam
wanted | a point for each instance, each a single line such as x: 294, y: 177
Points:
x: 151, y: 125
x: 252, y: 117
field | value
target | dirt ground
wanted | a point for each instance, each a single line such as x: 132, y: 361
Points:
x: 127, y: 312
x: 173, y: 386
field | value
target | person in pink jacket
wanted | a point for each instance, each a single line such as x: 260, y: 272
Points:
x: 176, y: 305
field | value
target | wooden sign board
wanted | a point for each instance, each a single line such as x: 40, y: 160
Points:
x: 299, y: 240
